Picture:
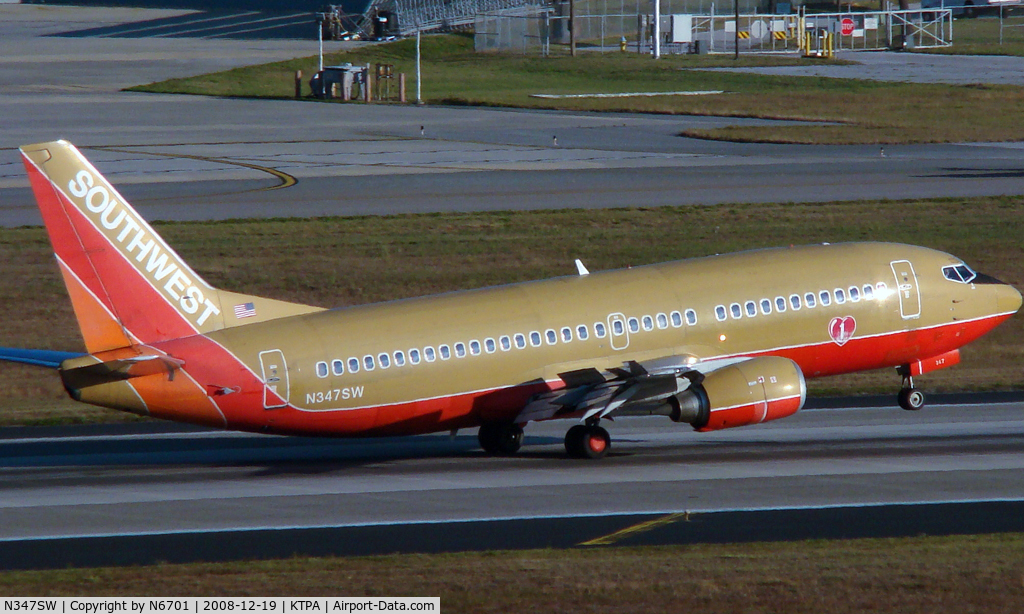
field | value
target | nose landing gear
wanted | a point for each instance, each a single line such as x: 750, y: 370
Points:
x: 587, y: 441
x: 910, y: 398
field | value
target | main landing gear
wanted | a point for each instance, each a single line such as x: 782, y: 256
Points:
x: 500, y: 438
x: 910, y: 398
x: 587, y: 441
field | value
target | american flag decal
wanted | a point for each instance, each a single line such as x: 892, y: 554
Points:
x: 245, y: 310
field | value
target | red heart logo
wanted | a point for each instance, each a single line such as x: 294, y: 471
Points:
x: 841, y: 329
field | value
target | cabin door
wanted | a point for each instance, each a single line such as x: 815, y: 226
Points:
x: 275, y: 379
x: 617, y: 331
x: 906, y: 285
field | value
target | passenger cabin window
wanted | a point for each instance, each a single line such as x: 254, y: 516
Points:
x: 840, y: 296
x: 414, y: 356
x: 662, y: 320
x: 506, y: 343
x: 751, y: 308
x: 677, y: 319
x: 520, y: 340
x: 648, y: 323
x: 869, y: 292
x: 337, y: 367
x: 399, y: 358
x: 368, y: 363
x: 617, y: 327
x: 691, y: 317
x: 444, y: 351
x: 881, y: 287
x: 826, y: 298
x: 766, y: 306
x: 353, y: 365
x: 720, y: 313
x: 809, y: 300
x: 634, y: 325
x: 460, y: 350
x: 581, y: 332
x: 384, y: 360
x: 566, y: 334
x: 428, y: 353
x: 854, y: 293
x: 599, y: 330
x: 551, y: 336
x: 780, y: 304
x: 474, y: 347
x: 489, y: 345
x: 794, y: 301
x: 321, y: 369
x: 737, y: 313
x: 535, y: 339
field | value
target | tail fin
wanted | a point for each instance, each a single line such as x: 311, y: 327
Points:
x: 126, y: 285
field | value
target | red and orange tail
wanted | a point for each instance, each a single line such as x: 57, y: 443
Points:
x: 127, y: 286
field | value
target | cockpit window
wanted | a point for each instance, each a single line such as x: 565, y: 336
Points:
x: 960, y: 273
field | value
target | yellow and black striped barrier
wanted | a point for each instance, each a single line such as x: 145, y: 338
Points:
x: 743, y: 34
x: 779, y: 36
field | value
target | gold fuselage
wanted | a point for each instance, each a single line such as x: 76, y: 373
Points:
x: 937, y: 315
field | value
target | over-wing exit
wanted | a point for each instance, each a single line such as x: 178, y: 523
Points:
x: 712, y: 342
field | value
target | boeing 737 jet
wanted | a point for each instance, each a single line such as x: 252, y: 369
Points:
x: 713, y: 342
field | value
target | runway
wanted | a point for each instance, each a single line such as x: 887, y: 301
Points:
x: 152, y: 486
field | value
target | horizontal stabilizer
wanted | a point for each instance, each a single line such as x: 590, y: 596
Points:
x: 40, y: 358
x: 119, y: 370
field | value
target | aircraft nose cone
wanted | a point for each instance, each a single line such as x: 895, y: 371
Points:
x: 1008, y: 298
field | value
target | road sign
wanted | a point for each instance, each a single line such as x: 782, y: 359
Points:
x: 846, y: 26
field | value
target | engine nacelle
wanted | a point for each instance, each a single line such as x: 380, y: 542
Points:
x: 748, y: 392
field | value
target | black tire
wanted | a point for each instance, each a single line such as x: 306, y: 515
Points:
x: 574, y: 441
x: 488, y: 437
x: 584, y: 441
x: 911, y: 399
x: 510, y: 438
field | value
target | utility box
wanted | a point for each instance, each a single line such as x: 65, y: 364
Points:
x: 338, y: 81
x: 682, y: 29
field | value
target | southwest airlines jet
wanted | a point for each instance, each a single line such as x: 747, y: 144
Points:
x: 712, y: 342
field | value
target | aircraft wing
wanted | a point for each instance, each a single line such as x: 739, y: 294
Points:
x: 40, y: 358
x: 634, y: 388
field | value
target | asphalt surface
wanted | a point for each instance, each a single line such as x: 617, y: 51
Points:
x: 179, y: 157
x: 153, y: 489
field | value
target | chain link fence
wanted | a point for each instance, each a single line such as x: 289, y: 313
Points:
x: 545, y: 30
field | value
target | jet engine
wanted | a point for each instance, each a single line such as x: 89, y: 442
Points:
x: 748, y: 392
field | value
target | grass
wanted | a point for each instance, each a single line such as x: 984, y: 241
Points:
x: 928, y: 575
x: 861, y: 111
x: 348, y: 261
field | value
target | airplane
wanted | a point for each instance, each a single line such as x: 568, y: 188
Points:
x: 714, y: 342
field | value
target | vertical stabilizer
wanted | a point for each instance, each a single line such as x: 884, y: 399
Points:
x: 126, y: 284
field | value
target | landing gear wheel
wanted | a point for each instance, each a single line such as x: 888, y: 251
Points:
x: 510, y: 438
x: 488, y: 437
x: 587, y: 441
x: 574, y: 441
x: 497, y: 438
x: 911, y: 399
